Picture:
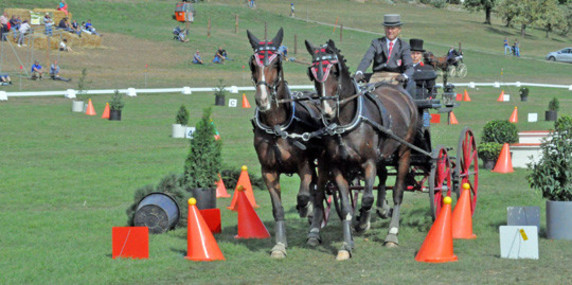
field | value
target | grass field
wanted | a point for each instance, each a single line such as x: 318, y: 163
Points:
x: 67, y: 178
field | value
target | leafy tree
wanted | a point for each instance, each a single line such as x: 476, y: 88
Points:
x: 479, y: 5
x: 508, y: 10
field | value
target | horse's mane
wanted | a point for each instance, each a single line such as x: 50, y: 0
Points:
x: 345, y: 69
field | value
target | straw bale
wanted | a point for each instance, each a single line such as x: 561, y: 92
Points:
x: 56, y: 15
x: 90, y: 40
x: 41, y: 42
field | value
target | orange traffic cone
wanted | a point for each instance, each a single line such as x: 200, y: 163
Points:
x: 459, y: 97
x: 90, y: 110
x: 245, y: 103
x: 467, y: 98
x: 438, y: 245
x: 504, y: 162
x: 501, y: 97
x: 201, y: 244
x: 244, y: 182
x: 462, y: 221
x: 249, y: 224
x: 514, y: 116
x: 221, y: 189
x: 105, y: 114
x: 453, y: 119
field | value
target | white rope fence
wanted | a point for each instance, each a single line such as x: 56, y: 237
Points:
x: 132, y: 92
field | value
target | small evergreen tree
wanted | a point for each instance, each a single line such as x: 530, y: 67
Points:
x: 182, y: 116
x: 203, y: 162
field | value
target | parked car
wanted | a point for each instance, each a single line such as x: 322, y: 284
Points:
x: 564, y: 55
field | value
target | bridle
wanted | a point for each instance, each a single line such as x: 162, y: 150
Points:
x: 263, y: 56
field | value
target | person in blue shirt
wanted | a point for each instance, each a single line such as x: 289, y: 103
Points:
x: 37, y: 71
x: 197, y: 58
x: 55, y: 72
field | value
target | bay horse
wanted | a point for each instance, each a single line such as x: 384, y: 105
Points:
x: 284, y: 133
x: 356, y: 145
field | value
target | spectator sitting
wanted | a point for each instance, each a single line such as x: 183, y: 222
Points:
x: 88, y: 28
x: 24, y: 29
x: 55, y: 72
x: 64, y: 47
x: 180, y: 35
x: 220, y: 56
x: 48, y: 23
x: 64, y: 25
x: 197, y: 58
x: 5, y: 79
x: 76, y: 28
x: 63, y: 6
x: 37, y: 71
x: 4, y: 26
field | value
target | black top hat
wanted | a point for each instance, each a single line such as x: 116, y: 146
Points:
x: 392, y: 20
x: 416, y: 45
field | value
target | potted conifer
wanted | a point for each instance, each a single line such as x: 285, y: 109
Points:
x: 181, y: 121
x: 552, y: 176
x: 220, y: 93
x: 523, y: 91
x: 553, y: 107
x: 115, y: 106
x: 203, y: 163
x: 79, y: 105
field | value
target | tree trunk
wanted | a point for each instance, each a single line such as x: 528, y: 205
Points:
x: 488, y: 15
x: 523, y: 30
x: 508, y: 22
x: 548, y: 30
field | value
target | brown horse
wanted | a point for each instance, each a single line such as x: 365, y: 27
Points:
x: 284, y: 133
x: 356, y: 145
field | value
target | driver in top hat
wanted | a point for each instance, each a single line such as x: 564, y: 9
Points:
x: 423, y: 75
x: 390, y: 55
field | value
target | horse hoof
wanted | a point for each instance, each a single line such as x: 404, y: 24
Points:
x: 278, y: 254
x: 390, y: 244
x: 383, y: 214
x: 313, y: 242
x: 343, y: 255
x: 362, y: 228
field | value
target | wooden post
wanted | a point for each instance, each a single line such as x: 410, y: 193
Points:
x: 341, y: 32
x: 265, y: 31
x: 48, y: 51
x: 295, y: 44
x: 236, y: 24
x: 209, y: 28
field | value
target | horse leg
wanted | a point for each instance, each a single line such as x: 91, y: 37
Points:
x: 347, y: 211
x: 318, y: 194
x: 307, y: 176
x: 369, y: 170
x: 382, y: 210
x: 402, y: 170
x: 272, y: 180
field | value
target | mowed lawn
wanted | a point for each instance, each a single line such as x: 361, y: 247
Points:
x: 67, y: 178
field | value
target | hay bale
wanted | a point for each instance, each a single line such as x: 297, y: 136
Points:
x: 56, y: 15
x: 90, y: 40
x: 24, y: 14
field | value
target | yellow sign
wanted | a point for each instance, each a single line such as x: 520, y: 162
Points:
x: 523, y: 234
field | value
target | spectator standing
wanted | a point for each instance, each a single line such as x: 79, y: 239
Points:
x: 516, y: 48
x: 37, y: 71
x: 48, y: 23
x: 292, y: 12
x: 506, y: 46
x: 197, y: 58
x: 24, y: 29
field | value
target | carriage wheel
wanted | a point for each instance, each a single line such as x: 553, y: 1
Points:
x: 467, y: 165
x: 439, y: 180
x: 335, y: 194
x: 451, y: 71
x: 328, y: 199
x: 461, y: 70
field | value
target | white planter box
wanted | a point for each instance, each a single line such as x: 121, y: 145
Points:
x: 178, y: 131
x: 77, y: 106
x: 524, y: 153
x: 532, y: 136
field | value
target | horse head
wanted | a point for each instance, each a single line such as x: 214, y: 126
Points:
x: 266, y: 67
x: 329, y: 74
x: 429, y: 58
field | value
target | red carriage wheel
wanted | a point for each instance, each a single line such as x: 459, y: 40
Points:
x: 439, y: 179
x: 467, y: 165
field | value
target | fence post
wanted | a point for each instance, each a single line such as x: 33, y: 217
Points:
x: 209, y: 28
x: 295, y: 44
x: 341, y: 32
x: 236, y: 24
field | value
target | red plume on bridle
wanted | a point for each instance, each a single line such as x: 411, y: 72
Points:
x: 265, y: 51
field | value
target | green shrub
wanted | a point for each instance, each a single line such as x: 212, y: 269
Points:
x: 182, y: 116
x: 219, y: 89
x: 500, y: 131
x: 439, y: 3
x: 552, y: 175
x: 203, y: 162
x: 230, y: 177
x: 489, y: 150
x: 116, y: 102
x: 554, y: 104
x: 523, y: 91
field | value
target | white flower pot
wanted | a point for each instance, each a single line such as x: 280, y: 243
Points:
x: 77, y: 106
x: 178, y: 131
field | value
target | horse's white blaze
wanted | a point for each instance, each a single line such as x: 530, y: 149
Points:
x: 328, y: 109
x: 263, y: 94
